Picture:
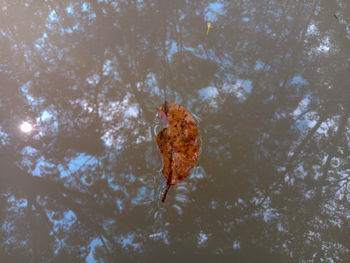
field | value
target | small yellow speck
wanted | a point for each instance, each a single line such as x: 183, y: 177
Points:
x: 208, y: 27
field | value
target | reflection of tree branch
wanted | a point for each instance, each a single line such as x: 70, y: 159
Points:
x: 83, y: 217
x: 298, y: 150
x: 34, y: 186
x: 308, y: 20
x: 18, y: 43
x: 296, y: 153
x: 91, y: 224
x: 14, y: 177
x: 302, y: 114
x: 105, y: 245
x: 345, y: 179
x: 295, y: 51
x: 334, y: 144
x: 32, y: 222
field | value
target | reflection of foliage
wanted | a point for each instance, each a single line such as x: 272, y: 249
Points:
x: 274, y: 175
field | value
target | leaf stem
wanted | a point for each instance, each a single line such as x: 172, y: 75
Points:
x: 166, y: 190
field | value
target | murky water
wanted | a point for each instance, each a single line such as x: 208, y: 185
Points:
x: 269, y: 84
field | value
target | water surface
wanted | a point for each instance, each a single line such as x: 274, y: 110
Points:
x: 269, y: 85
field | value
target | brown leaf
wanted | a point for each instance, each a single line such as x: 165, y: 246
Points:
x: 177, y: 142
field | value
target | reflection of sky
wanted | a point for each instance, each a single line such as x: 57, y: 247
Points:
x: 143, y: 193
x: 65, y: 222
x: 308, y: 120
x: 69, y: 10
x: 118, y: 115
x: 16, y: 206
x: 127, y: 241
x: 61, y: 224
x: 202, y: 238
x: 132, y: 111
x: 213, y: 10
x: 53, y: 16
x: 79, y: 163
x: 46, y: 115
x: 127, y: 110
x: 241, y: 89
x: 236, y: 244
x: 173, y: 48
x: 246, y: 84
x: 208, y: 92
x: 3, y: 137
x: 329, y: 124
x: 298, y: 80
x: 83, y: 7
x: 302, y: 106
x: 259, y: 65
x: 90, y: 258
x: 25, y: 89
x: 151, y: 84
x: 324, y: 45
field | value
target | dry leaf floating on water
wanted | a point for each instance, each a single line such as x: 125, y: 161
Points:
x: 178, y: 143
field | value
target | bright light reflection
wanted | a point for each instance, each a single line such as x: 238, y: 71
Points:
x: 26, y: 127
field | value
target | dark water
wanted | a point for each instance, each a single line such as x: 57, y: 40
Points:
x: 269, y: 84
